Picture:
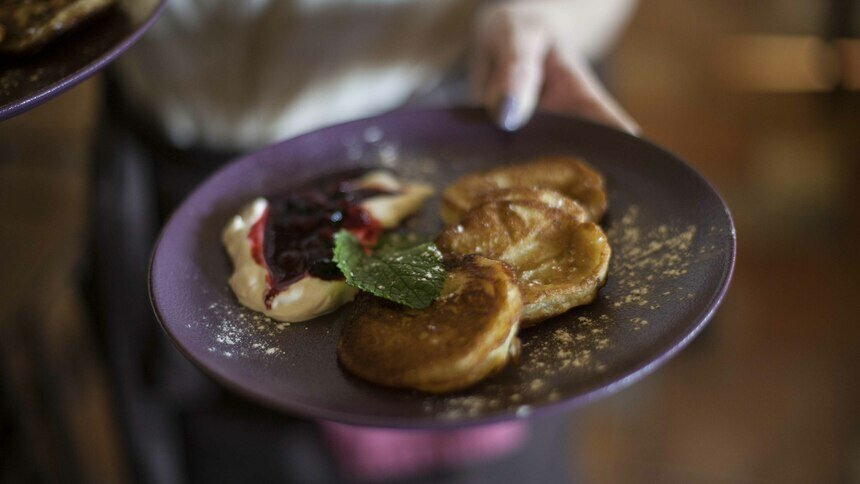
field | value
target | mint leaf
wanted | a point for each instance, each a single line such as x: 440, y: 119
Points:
x: 404, y: 273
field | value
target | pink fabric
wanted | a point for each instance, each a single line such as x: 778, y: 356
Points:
x: 373, y: 453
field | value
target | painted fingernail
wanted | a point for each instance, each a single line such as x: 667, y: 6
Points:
x: 507, y: 116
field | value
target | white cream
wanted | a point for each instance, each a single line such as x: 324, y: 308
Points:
x: 310, y: 297
x: 303, y: 300
x: 390, y: 210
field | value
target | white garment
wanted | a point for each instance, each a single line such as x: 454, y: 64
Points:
x: 243, y: 73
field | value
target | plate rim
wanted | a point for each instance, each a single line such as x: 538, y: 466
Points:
x: 664, y: 352
x: 71, y: 80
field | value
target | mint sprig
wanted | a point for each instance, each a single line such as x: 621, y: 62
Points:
x: 405, y: 273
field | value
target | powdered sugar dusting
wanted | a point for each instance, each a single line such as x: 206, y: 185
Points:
x: 558, y: 354
x: 642, y: 259
x: 239, y: 332
x: 642, y: 262
x: 570, y: 349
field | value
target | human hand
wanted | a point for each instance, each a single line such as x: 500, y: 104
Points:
x: 530, y: 55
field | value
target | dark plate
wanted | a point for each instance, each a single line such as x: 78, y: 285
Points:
x: 27, y: 81
x: 673, y: 252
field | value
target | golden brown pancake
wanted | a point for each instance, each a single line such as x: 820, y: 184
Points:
x: 568, y: 175
x: 559, y: 262
x: 468, y: 333
x: 550, y: 198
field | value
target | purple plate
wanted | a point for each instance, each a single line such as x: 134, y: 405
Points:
x: 27, y: 81
x: 673, y: 253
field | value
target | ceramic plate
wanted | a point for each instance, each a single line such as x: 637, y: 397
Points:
x: 673, y: 252
x: 27, y: 81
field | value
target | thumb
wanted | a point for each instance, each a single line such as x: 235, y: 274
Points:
x: 572, y: 87
x: 514, y: 73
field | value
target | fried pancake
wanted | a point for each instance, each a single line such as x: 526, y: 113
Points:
x: 26, y: 25
x: 468, y: 333
x: 550, y: 198
x: 570, y: 176
x: 558, y: 261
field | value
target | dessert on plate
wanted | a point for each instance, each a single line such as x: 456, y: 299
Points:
x: 468, y: 332
x: 559, y: 261
x: 522, y: 245
x: 281, y: 248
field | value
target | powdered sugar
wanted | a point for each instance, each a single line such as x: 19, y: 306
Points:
x: 574, y: 350
x: 239, y: 332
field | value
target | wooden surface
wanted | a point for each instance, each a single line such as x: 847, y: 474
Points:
x: 55, y: 399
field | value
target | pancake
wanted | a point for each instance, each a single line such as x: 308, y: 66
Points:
x: 468, y: 333
x: 567, y: 175
x: 550, y: 198
x: 558, y: 261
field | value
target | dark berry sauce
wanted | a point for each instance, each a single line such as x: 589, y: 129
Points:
x: 293, y: 237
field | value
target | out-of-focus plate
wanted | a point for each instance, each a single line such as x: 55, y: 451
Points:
x: 673, y: 253
x: 29, y: 80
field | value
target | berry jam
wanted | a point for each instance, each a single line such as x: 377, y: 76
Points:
x: 293, y: 237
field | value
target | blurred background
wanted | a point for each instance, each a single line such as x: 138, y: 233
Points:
x: 762, y: 97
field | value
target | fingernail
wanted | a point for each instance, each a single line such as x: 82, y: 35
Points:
x: 507, y: 116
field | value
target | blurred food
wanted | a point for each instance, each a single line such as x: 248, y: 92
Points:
x: 27, y: 25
